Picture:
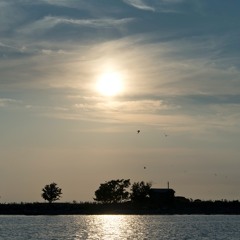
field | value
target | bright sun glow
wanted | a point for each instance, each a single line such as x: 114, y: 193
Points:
x: 110, y: 84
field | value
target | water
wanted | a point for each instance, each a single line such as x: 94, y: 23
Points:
x: 114, y: 227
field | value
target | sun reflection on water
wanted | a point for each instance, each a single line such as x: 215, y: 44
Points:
x: 120, y: 227
x: 108, y: 227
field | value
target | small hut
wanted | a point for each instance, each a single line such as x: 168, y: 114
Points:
x: 162, y: 195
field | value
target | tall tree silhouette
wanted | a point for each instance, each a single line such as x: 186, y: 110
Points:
x: 51, y: 192
x: 140, y: 191
x: 113, y: 191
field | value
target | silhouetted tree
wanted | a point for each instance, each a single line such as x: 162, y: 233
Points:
x: 51, y: 192
x: 113, y: 191
x: 140, y: 191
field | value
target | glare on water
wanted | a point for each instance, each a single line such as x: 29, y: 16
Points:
x: 174, y: 227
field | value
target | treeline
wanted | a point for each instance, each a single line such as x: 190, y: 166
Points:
x: 129, y: 207
x: 206, y: 207
x: 114, y: 191
x: 120, y: 197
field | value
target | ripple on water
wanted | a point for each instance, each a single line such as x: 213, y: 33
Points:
x: 107, y: 227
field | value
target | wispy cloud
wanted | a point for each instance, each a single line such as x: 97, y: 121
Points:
x: 166, y: 6
x: 6, y: 46
x: 4, y: 102
x: 180, y: 67
x: 50, y: 22
x: 140, y: 4
x: 166, y: 77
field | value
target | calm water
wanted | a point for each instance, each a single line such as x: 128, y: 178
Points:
x: 119, y: 227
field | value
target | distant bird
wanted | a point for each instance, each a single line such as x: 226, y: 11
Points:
x: 144, y: 167
x: 165, y: 135
x: 138, y: 131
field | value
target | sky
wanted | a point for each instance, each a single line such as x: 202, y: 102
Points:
x: 79, y: 78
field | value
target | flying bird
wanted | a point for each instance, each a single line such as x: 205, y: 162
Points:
x: 138, y: 131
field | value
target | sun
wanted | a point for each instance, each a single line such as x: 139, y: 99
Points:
x: 110, y: 84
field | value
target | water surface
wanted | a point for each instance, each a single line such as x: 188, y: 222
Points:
x: 115, y: 227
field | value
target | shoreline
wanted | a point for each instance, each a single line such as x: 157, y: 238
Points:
x: 127, y: 208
